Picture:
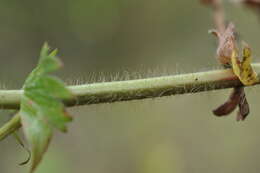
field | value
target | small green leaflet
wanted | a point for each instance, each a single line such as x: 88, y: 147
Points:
x: 42, y: 109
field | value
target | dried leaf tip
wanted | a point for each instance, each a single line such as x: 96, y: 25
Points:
x: 231, y: 104
x: 243, y: 69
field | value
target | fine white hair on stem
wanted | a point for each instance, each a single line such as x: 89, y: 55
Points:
x: 132, y: 74
x: 108, y: 92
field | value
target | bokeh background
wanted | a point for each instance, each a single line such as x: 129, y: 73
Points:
x: 104, y: 40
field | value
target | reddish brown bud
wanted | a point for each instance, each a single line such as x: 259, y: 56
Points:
x: 226, y: 45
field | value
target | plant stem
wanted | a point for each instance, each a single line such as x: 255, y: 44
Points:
x: 10, y: 127
x: 108, y: 92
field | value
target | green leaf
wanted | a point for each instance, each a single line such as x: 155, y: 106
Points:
x: 42, y: 109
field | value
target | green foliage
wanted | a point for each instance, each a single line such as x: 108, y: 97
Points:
x: 42, y: 109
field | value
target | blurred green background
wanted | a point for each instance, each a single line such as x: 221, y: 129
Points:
x: 104, y: 40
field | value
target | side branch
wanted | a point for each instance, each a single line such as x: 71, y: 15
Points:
x: 108, y: 92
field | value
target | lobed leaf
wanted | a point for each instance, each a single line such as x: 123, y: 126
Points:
x: 41, y: 107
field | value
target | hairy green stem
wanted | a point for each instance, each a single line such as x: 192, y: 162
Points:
x: 108, y: 92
